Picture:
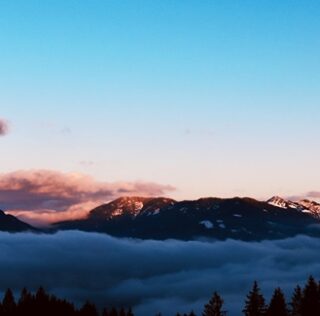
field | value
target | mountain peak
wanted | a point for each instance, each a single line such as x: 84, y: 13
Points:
x: 311, y: 206
x: 129, y: 206
x: 305, y: 205
x: 279, y: 202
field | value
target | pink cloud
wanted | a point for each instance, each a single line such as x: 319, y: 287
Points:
x: 313, y: 195
x: 4, y: 127
x: 44, y: 196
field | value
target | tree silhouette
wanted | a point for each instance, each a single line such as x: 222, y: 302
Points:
x: 310, y: 302
x: 105, y: 312
x: 113, y: 312
x: 213, y: 308
x: 42, y: 300
x: 122, y: 312
x: 296, y: 302
x: 25, y: 303
x: 129, y: 312
x: 8, y: 304
x: 278, y: 306
x: 255, y: 302
x: 88, y: 309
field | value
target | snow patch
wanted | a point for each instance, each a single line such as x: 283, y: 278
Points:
x: 156, y: 212
x: 117, y: 212
x: 207, y: 224
x: 138, y: 206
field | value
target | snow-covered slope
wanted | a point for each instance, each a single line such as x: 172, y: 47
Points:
x: 305, y: 206
x: 311, y: 206
x: 283, y: 203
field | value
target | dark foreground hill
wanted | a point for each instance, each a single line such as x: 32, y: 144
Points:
x: 10, y: 223
x: 237, y: 218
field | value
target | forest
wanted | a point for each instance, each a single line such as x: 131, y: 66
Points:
x: 305, y: 301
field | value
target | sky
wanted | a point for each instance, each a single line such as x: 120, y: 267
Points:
x: 196, y: 98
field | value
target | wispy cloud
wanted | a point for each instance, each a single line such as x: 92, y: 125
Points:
x: 308, y: 195
x: 47, y: 196
x: 314, y: 194
x: 4, y: 127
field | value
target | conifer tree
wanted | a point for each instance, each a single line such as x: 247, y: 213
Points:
x: 296, y: 302
x: 25, y: 302
x: 277, y: 306
x: 122, y: 312
x: 310, y: 301
x: 130, y: 312
x: 8, y: 304
x: 88, y: 309
x: 113, y: 312
x: 213, y: 308
x: 255, y: 302
x: 41, y: 302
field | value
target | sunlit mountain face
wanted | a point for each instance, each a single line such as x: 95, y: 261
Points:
x: 237, y: 218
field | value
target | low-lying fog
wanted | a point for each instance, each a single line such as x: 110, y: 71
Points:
x: 153, y: 276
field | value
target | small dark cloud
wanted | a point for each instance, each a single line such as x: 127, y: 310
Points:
x: 154, y: 276
x: 4, y: 127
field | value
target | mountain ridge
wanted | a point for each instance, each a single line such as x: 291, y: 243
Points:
x: 10, y: 223
x: 218, y: 218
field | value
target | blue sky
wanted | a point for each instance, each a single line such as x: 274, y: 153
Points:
x: 216, y: 98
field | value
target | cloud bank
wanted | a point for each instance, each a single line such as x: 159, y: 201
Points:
x: 4, y: 127
x: 42, y: 196
x: 153, y: 276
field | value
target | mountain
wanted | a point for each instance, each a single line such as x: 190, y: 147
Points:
x: 285, y: 204
x: 311, y: 207
x: 130, y: 206
x: 10, y: 223
x: 163, y: 218
x: 305, y: 206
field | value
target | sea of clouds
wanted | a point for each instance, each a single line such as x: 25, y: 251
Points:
x: 153, y: 276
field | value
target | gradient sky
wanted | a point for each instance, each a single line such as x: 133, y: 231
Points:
x: 216, y: 98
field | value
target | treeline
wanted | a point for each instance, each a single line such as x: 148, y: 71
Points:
x: 304, y: 302
x: 43, y: 304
